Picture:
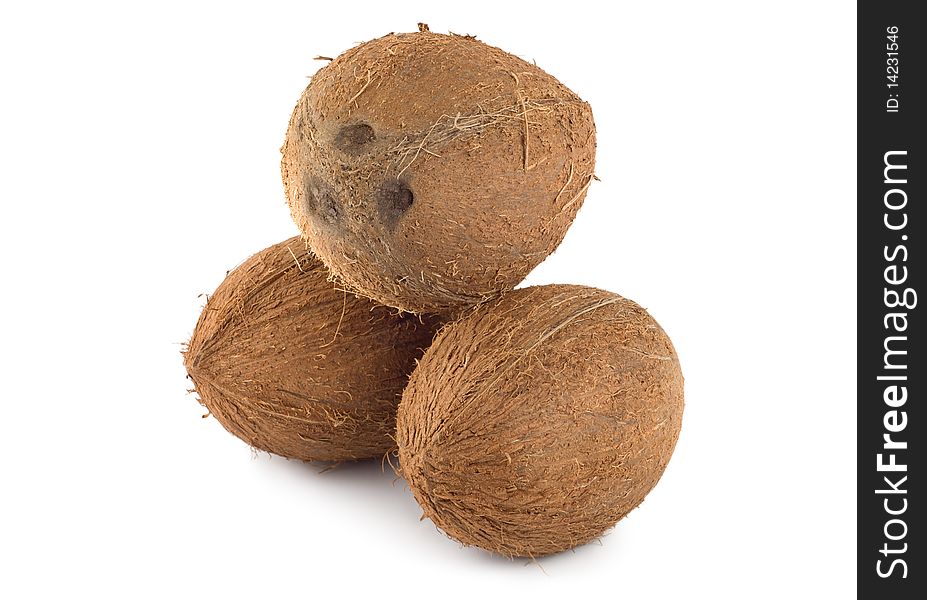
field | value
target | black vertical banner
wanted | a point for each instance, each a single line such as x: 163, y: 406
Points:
x: 891, y: 365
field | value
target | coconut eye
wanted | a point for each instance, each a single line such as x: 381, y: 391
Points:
x: 394, y: 198
x: 351, y: 139
x: 319, y: 200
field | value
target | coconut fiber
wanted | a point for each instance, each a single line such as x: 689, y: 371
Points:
x: 540, y: 419
x: 293, y: 366
x: 431, y: 171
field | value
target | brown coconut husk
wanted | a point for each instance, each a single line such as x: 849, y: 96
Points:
x: 537, y: 421
x: 294, y: 366
x: 431, y: 171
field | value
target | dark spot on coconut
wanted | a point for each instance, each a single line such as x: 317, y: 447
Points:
x: 394, y: 198
x: 351, y: 139
x: 319, y: 201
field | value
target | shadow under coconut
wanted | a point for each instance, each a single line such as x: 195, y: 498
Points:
x: 372, y: 489
x: 367, y: 490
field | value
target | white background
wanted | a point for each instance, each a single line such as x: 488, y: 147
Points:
x: 139, y: 160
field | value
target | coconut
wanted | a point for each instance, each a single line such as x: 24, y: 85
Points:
x: 537, y: 421
x: 431, y: 171
x: 294, y: 366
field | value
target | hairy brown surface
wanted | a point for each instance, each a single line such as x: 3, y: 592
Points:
x: 539, y: 420
x: 294, y: 366
x: 430, y: 171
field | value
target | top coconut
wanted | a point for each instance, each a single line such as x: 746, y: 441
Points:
x: 433, y: 171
